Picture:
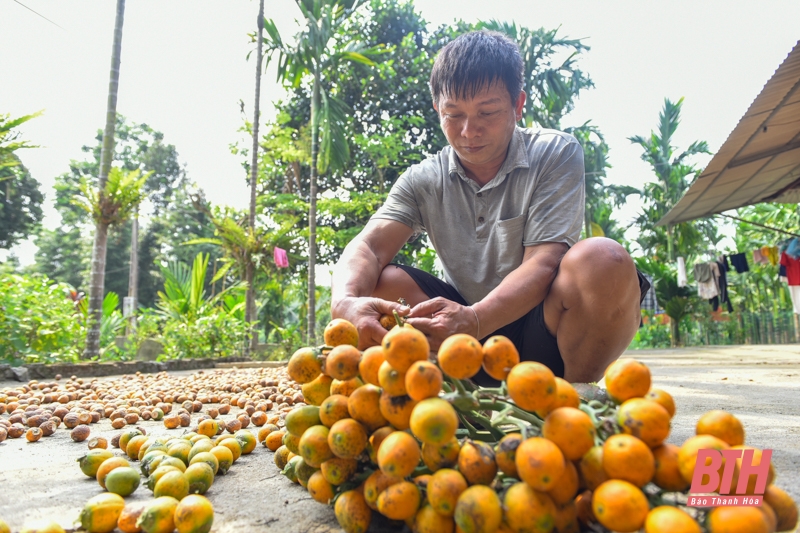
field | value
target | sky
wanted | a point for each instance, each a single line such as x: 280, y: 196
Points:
x: 184, y: 71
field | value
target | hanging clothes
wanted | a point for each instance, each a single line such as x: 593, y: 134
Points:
x: 682, y: 281
x: 782, y: 274
x: 758, y: 257
x: 739, y: 262
x: 792, y: 268
x: 280, y: 257
x: 650, y: 302
x: 793, y: 248
x: 771, y: 253
x: 794, y: 295
x: 706, y: 275
x: 722, y: 287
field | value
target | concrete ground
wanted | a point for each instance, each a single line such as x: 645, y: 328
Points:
x: 759, y: 384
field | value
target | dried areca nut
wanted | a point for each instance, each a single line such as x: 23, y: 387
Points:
x: 2, y: 408
x: 197, y: 406
x: 224, y: 409
x: 80, y: 433
x: 118, y: 423
x: 48, y: 428
x: 242, y: 403
x: 55, y: 420
x: 185, y: 420
x: 244, y: 419
x: 115, y: 440
x: 95, y: 417
x: 108, y: 411
x: 250, y: 409
x: 172, y: 421
x: 165, y: 407
x: 187, y: 405
x: 298, y: 397
x: 119, y: 413
x: 58, y: 377
x: 33, y: 434
x: 71, y: 420
x: 131, y: 418
x: 60, y: 412
x: 3, y: 434
x: 181, y: 398
x: 98, y: 442
x: 213, y: 412
x: 146, y: 415
x: 85, y: 418
x: 273, y: 419
x: 258, y: 418
x: 233, y: 425
x: 64, y: 398
x: 18, y: 418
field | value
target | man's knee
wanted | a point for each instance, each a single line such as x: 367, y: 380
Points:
x: 598, y: 261
x: 395, y: 283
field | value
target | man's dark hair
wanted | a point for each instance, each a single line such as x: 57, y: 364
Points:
x: 474, y: 61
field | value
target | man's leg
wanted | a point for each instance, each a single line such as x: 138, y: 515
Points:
x: 593, y: 307
x: 395, y: 283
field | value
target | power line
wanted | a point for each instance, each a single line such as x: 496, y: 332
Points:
x: 39, y: 14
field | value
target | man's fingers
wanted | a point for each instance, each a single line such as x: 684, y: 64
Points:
x: 386, y: 307
x: 422, y: 324
x: 427, y: 308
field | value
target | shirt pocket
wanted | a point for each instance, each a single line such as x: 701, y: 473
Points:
x: 510, y: 230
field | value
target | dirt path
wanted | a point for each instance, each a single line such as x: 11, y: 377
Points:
x: 760, y: 385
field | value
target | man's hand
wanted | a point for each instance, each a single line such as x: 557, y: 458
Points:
x: 439, y: 318
x: 364, y: 313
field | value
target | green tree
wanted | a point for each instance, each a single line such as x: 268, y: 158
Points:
x: 20, y: 202
x: 314, y: 53
x: 10, y: 138
x: 673, y: 175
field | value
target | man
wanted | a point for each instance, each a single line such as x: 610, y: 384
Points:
x: 503, y: 207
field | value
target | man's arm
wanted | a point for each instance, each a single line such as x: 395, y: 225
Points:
x: 356, y: 275
x: 519, y: 292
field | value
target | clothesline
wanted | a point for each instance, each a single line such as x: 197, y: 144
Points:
x: 759, y: 225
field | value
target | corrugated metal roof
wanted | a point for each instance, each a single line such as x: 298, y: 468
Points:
x: 760, y: 160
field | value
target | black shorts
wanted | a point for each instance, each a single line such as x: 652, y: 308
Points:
x: 528, y: 333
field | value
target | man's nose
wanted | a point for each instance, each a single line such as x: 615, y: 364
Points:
x: 470, y: 128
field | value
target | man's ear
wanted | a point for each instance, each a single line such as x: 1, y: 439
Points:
x: 520, y: 105
x: 436, y: 107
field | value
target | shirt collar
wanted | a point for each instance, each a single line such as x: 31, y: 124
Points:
x: 517, y: 157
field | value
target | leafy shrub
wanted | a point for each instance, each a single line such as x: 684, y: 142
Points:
x: 212, y: 332
x: 38, y: 320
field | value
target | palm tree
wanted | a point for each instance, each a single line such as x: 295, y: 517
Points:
x: 105, y: 208
x: 317, y: 51
x: 672, y: 172
x: 250, y: 306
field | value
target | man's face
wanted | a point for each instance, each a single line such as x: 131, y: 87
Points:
x: 480, y: 128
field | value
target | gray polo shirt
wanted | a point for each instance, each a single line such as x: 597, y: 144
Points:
x: 479, y: 232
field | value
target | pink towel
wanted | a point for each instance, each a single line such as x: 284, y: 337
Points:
x: 281, y: 259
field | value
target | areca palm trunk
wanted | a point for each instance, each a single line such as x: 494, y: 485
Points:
x: 97, y: 280
x: 312, y: 206
x: 250, y: 301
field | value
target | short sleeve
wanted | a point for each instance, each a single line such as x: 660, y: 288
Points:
x: 401, y: 204
x: 556, y: 209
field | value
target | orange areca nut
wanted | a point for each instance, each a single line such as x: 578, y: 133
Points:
x: 375, y: 441
x: 423, y: 380
x: 505, y: 454
x: 566, y: 488
x: 371, y: 360
x: 314, y: 447
x: 620, y: 506
x: 540, y: 463
x: 342, y: 362
x: 304, y: 366
x: 590, y: 468
x: 317, y: 390
x: 337, y: 470
x: 319, y: 488
x: 723, y: 425
x: 300, y: 419
x: 627, y: 458
x: 571, y: 429
x: 737, y: 520
x: 434, y: 421
x: 784, y: 506
x: 340, y: 332
x: 444, y: 488
x: 478, y: 510
x: 499, y: 356
x: 399, y: 454
x: 687, y: 454
x: 399, y: 501
x: 376, y: 483
x: 397, y: 409
x: 194, y: 514
x: 364, y: 406
x: 668, y: 474
x: 668, y: 519
x: 566, y: 396
x: 402, y: 346
x: 645, y: 420
x: 352, y: 512
x: 390, y: 380
x: 438, y: 456
x: 333, y: 409
x: 626, y: 379
x: 663, y: 398
x: 532, y: 386
x: 347, y: 438
x: 460, y: 356
x: 427, y: 520
x: 476, y: 462
x: 346, y: 387
x: 528, y: 510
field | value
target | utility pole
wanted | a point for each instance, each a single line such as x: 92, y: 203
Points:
x: 129, y: 306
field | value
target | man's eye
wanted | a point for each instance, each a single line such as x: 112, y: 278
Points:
x: 450, y: 115
x: 490, y: 113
